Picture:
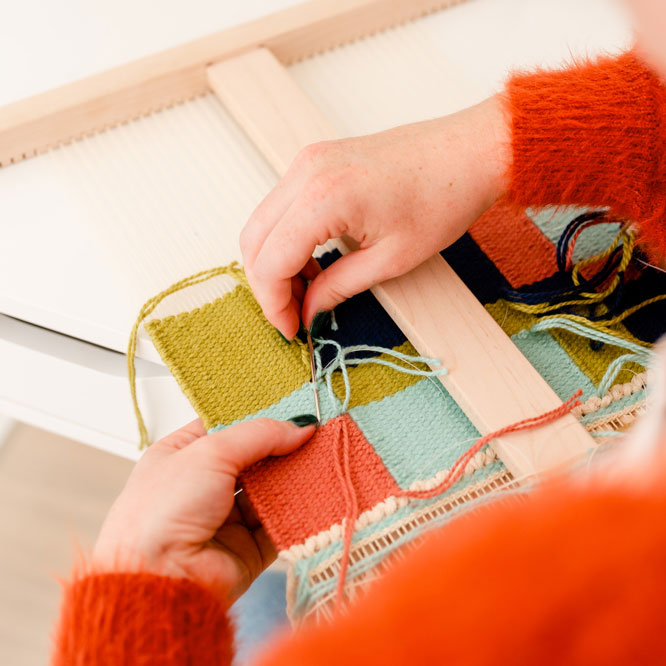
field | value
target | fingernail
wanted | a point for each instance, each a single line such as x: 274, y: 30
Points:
x: 320, y: 323
x: 282, y: 336
x: 304, y: 420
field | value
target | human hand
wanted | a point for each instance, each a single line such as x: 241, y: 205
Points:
x: 403, y: 195
x: 177, y: 515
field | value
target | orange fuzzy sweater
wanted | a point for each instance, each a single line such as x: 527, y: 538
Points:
x: 576, y: 576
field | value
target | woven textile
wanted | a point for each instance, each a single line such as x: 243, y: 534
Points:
x: 405, y: 430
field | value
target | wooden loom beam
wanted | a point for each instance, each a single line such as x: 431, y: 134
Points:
x: 488, y: 376
x: 119, y: 95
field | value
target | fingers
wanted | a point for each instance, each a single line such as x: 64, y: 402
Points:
x: 234, y: 449
x: 267, y: 214
x: 246, y: 511
x: 178, y: 439
x: 287, y: 251
x: 348, y: 276
x: 311, y: 269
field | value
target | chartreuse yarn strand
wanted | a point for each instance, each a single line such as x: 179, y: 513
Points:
x: 233, y: 270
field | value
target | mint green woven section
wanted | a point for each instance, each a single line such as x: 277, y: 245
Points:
x: 553, y: 364
x: 300, y: 401
x: 417, y: 432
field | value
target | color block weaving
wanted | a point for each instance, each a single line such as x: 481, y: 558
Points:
x: 405, y: 431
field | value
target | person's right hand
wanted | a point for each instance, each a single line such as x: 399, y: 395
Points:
x: 403, y: 195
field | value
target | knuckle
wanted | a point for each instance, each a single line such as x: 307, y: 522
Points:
x: 267, y: 430
x: 312, y: 151
x: 244, y: 240
x: 259, y: 273
x: 337, y: 289
x: 326, y: 183
x: 266, y: 426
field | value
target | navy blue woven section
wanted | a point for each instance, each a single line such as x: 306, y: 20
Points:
x: 361, y: 321
x: 475, y: 269
x: 649, y: 323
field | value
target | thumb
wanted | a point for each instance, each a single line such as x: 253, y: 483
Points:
x: 350, y: 275
x: 236, y: 448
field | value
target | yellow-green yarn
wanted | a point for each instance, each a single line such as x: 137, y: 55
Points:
x: 627, y: 239
x: 233, y: 270
x: 373, y: 382
x: 226, y: 344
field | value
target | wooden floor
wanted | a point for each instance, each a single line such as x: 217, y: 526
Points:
x: 54, y: 494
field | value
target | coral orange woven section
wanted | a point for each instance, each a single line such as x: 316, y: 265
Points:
x: 514, y: 244
x: 299, y: 495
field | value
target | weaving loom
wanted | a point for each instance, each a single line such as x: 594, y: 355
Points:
x: 493, y: 380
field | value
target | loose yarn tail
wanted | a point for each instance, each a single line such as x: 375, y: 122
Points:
x: 233, y: 270
x: 595, y: 300
x: 458, y: 467
x: 343, y: 472
x: 345, y: 356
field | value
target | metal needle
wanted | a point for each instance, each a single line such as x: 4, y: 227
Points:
x: 313, y: 372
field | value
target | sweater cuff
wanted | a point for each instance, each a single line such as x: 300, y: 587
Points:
x: 593, y: 135
x: 141, y: 618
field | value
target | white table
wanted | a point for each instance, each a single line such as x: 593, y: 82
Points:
x: 92, y: 230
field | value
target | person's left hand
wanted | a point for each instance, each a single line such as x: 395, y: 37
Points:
x: 177, y: 515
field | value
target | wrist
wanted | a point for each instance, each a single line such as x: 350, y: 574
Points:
x: 493, y: 145
x: 124, y: 551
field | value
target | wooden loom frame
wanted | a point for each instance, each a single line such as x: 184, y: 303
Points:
x: 244, y: 66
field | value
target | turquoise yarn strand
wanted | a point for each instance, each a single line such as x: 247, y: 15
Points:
x: 344, y: 357
x: 588, y: 332
x: 636, y: 353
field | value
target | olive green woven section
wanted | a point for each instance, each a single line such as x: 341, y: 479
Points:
x: 227, y: 348
x: 593, y: 363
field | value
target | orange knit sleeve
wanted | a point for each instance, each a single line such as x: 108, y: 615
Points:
x: 593, y: 135
x: 137, y: 619
x: 574, y: 575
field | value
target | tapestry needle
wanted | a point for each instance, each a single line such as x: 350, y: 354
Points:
x: 313, y: 372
